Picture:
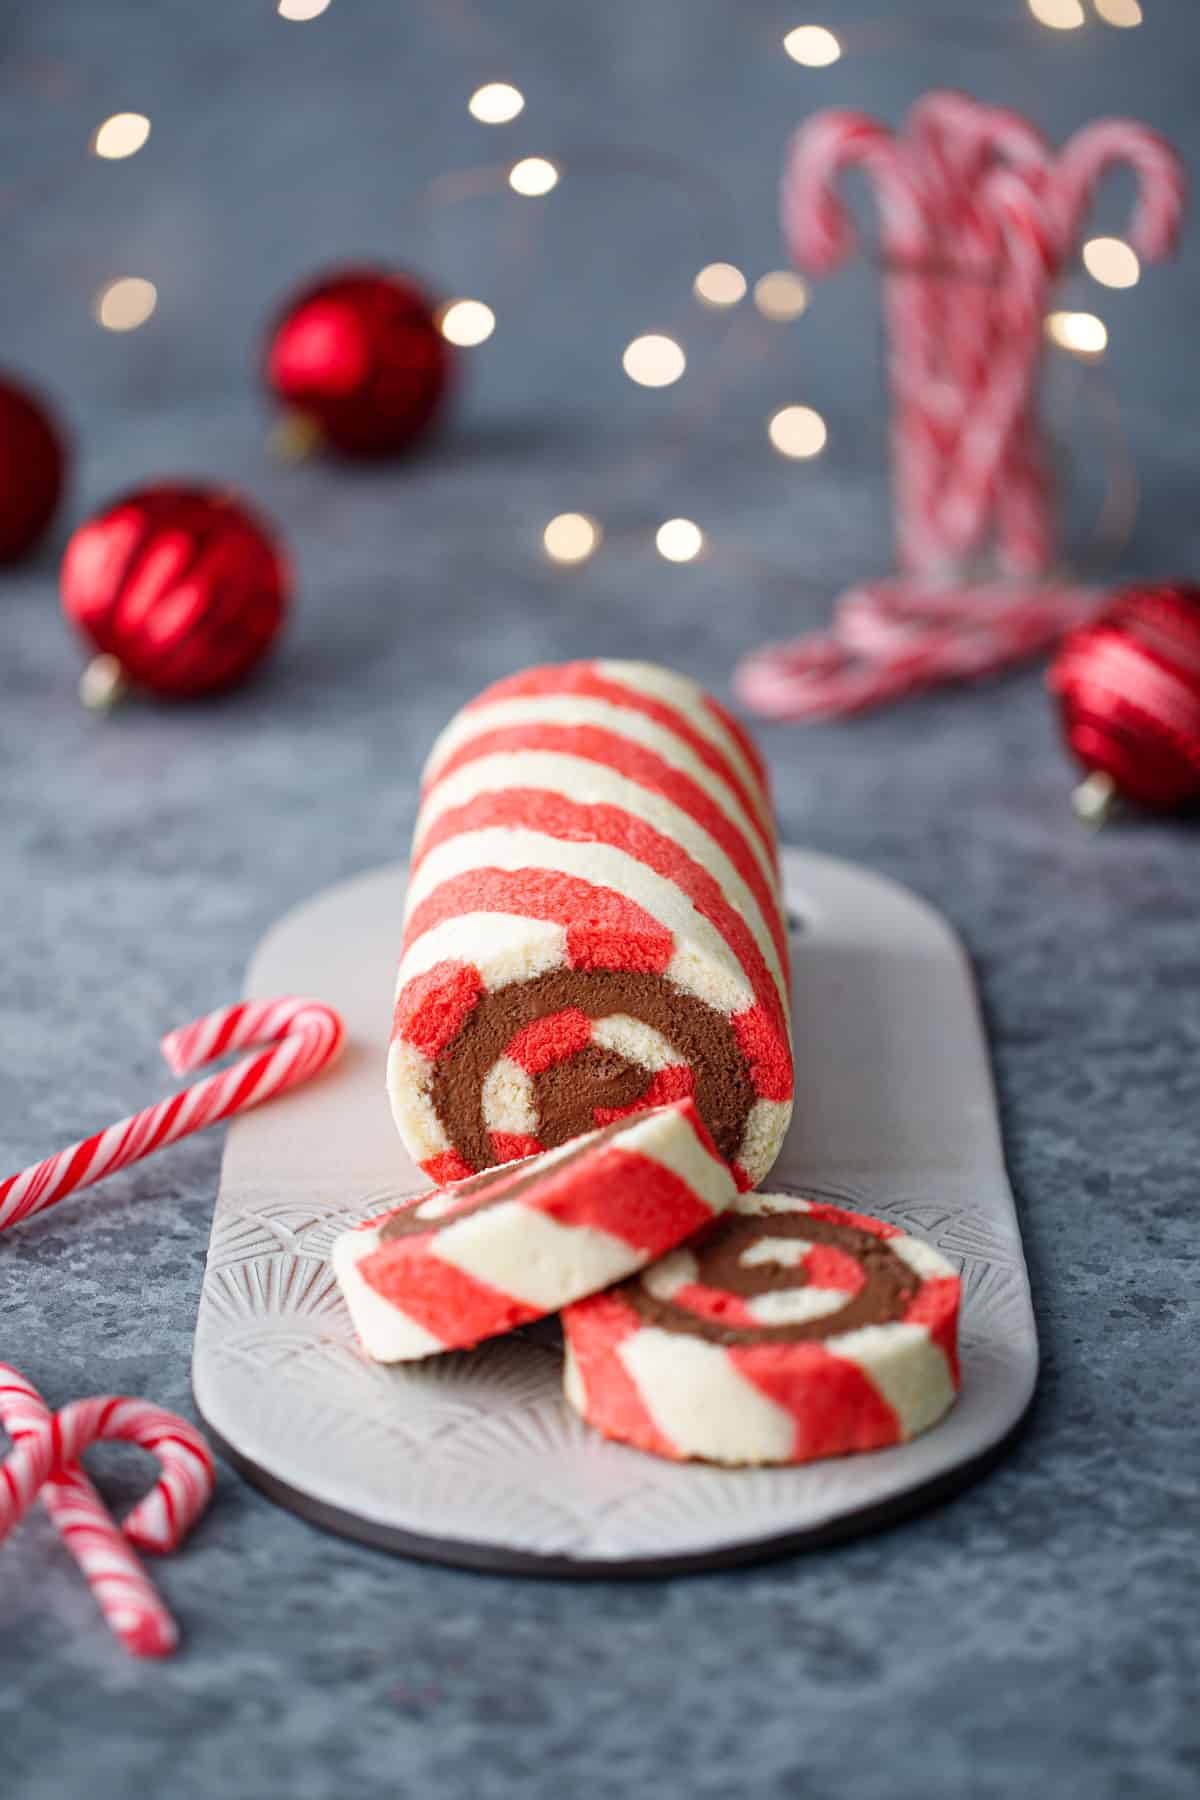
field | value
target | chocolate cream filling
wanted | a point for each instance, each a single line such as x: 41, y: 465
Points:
x: 494, y: 1187
x: 567, y: 1093
x: 889, y: 1287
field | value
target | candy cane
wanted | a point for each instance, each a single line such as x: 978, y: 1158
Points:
x: 306, y: 1034
x: 1161, y: 183
x: 44, y: 1464
x: 893, y: 638
x: 998, y: 410
x: 956, y: 140
x: 820, y: 234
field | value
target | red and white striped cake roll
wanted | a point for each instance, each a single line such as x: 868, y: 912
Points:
x: 792, y: 1330
x: 513, y: 1244
x: 593, y: 924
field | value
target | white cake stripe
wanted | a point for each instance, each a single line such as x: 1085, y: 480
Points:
x: 538, y: 1261
x: 688, y: 697
x: 907, y: 1368
x: 701, y: 1403
x: 636, y: 1041
x: 508, y: 1100
x: 504, y: 947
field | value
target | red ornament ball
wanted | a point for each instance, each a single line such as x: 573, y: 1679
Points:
x: 182, y: 589
x: 1128, y: 688
x: 32, y: 466
x: 359, y: 358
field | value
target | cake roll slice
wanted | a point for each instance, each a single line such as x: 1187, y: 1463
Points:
x: 593, y: 925
x: 473, y: 1260
x: 792, y: 1330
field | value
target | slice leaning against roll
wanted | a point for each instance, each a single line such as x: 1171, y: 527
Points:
x: 791, y: 1330
x: 467, y: 1262
x: 593, y: 924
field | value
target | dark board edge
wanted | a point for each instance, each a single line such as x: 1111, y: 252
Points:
x: 496, y: 1559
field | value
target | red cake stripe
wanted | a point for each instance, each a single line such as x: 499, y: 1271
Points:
x: 836, y: 1407
x: 437, y: 1296
x: 604, y: 929
x: 936, y: 1307
x: 432, y: 1008
x: 599, y: 1327
x: 544, y: 1042
x: 554, y: 816
x: 629, y: 1196
x: 766, y: 1054
x: 447, y: 1166
x: 828, y: 1267
x: 509, y: 1146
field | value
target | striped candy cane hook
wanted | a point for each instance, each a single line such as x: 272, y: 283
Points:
x: 44, y: 1464
x: 306, y: 1035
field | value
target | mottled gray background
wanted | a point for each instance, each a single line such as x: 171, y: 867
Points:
x: 1034, y: 1635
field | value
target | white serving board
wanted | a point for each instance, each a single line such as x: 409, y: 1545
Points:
x: 475, y: 1458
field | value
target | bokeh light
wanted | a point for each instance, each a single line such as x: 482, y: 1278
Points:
x: 122, y: 135
x: 813, y: 45
x: 679, y: 540
x: 1112, y: 262
x: 780, y: 295
x: 466, y: 322
x: 1119, y: 12
x: 299, y: 10
x: 797, y: 431
x: 719, y: 284
x: 496, y: 103
x: 654, y: 361
x: 125, y: 304
x: 1059, y: 15
x: 1080, y: 332
x: 533, y: 175
x: 571, y: 537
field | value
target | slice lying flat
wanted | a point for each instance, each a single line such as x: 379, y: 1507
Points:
x: 516, y: 1243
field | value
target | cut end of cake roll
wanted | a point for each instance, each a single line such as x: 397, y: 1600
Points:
x: 791, y: 1331
x: 467, y: 1262
x: 593, y: 925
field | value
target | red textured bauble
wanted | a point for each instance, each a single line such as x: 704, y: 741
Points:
x: 181, y: 586
x: 32, y: 466
x: 359, y: 358
x: 1128, y: 687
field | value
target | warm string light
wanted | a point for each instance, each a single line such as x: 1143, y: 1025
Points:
x: 496, y: 103
x: 1122, y: 13
x: 1082, y: 333
x: 719, y: 284
x: 814, y: 46
x: 1059, y: 15
x: 120, y: 136
x: 300, y: 10
x: 571, y: 537
x: 679, y: 540
x: 466, y: 322
x: 125, y: 304
x: 654, y: 361
x: 532, y: 176
x: 797, y: 431
x: 1112, y: 262
x: 780, y: 295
